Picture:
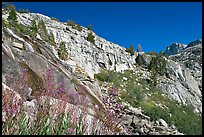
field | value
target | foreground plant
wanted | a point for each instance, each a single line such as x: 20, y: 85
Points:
x: 49, y: 116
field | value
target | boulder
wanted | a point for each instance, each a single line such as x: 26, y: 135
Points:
x: 162, y: 122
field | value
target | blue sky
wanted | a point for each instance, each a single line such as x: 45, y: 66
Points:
x: 154, y: 25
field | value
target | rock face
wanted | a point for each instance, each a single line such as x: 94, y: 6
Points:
x: 186, y: 74
x: 194, y: 43
x: 174, y: 48
x: 90, y: 57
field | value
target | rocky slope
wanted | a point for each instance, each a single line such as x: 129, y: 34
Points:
x: 187, y: 75
x: 81, y: 52
x: 21, y: 51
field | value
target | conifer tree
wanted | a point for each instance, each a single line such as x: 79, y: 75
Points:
x: 12, y: 16
x: 139, y: 48
x: 90, y: 38
x: 62, y: 51
x: 138, y: 60
x: 90, y: 27
x: 130, y: 50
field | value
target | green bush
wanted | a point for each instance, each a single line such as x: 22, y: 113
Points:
x: 23, y: 30
x: 134, y: 93
x: 103, y: 76
x: 185, y: 119
x: 62, y: 51
x: 52, y: 18
x: 77, y: 27
x: 90, y: 38
x: 74, y: 25
x: 71, y: 23
x: 156, y: 113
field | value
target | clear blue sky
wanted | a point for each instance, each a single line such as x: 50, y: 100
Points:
x: 154, y: 25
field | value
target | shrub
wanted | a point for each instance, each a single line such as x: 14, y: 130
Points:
x: 133, y: 94
x: 103, y: 76
x: 77, y: 27
x: 52, y: 18
x: 130, y: 50
x: 90, y: 38
x: 24, y: 30
x: 74, y: 25
x: 71, y: 23
x: 62, y: 51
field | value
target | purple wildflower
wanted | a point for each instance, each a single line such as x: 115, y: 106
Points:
x: 24, y: 69
x: 119, y: 106
x: 105, y: 99
x: 12, y: 111
x: 61, y: 83
x: 96, y: 107
x: 69, y: 131
x: 51, y: 83
x: 113, y: 91
x: 59, y: 90
x: 74, y: 94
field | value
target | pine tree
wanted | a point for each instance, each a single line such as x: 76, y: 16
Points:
x: 90, y: 27
x: 139, y: 48
x: 34, y: 26
x: 130, y: 50
x: 12, y: 16
x: 62, y: 51
x: 90, y: 38
x: 153, y: 68
x: 42, y: 26
x: 138, y: 60
x: 9, y: 6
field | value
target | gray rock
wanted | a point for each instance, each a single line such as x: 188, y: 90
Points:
x: 126, y: 119
x: 162, y: 122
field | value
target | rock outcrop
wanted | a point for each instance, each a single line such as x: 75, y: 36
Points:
x: 174, y: 48
x: 186, y: 75
x: 90, y: 57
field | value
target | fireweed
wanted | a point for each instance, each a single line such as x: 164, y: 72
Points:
x: 51, y: 118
